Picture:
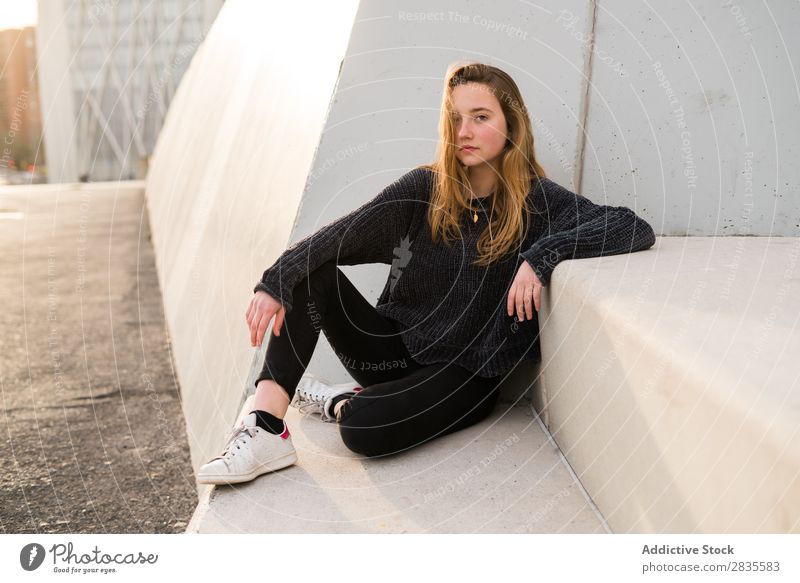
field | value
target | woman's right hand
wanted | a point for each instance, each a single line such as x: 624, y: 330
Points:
x: 259, y: 313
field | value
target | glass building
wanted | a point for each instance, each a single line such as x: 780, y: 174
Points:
x: 107, y: 72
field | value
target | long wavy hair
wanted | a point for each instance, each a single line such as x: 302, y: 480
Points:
x: 519, y: 169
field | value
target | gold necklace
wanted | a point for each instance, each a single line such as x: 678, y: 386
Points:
x: 474, y: 212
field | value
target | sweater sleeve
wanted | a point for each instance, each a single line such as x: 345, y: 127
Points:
x: 580, y: 229
x: 368, y: 234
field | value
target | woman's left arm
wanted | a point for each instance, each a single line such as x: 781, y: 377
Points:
x: 580, y: 229
x: 577, y: 229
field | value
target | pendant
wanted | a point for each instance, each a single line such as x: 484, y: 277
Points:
x: 475, y: 217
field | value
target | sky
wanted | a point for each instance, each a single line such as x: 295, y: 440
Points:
x: 18, y: 14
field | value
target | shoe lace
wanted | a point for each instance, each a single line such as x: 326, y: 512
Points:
x: 236, y: 438
x: 304, y: 406
x: 316, y: 394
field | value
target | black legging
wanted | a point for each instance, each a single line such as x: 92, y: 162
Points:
x: 403, y: 403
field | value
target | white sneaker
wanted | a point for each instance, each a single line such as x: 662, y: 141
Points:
x: 249, y: 452
x: 314, y: 395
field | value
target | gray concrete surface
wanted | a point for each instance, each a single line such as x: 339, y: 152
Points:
x: 672, y: 384
x: 93, y: 433
x: 694, y: 115
x: 503, y: 475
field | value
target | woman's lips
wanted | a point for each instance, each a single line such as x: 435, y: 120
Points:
x: 468, y: 149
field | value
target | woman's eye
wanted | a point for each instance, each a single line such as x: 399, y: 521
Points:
x: 482, y: 116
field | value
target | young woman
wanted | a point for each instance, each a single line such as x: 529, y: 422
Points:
x: 472, y: 238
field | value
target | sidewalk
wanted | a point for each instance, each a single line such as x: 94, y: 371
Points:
x: 94, y: 435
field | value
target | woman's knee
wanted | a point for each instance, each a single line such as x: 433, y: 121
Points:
x: 372, y: 428
x: 358, y: 440
x: 361, y: 433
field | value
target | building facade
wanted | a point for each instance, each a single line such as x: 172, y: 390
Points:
x: 108, y: 70
x: 20, y: 119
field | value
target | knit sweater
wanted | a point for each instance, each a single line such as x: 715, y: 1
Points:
x: 451, y: 310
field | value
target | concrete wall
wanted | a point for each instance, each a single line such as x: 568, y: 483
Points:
x: 694, y: 115
x: 224, y: 185
x: 267, y: 139
x: 383, y: 120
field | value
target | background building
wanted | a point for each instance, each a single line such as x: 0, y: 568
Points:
x: 108, y: 71
x: 20, y: 120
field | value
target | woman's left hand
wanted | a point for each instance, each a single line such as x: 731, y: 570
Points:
x: 525, y: 293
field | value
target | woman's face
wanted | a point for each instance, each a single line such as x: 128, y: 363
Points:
x: 479, y: 123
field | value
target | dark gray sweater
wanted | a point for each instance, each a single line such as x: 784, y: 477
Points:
x: 452, y: 311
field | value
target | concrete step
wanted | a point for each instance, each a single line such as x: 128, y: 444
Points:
x: 503, y: 475
x: 670, y: 381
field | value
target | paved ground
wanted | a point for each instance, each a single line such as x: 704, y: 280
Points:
x: 93, y: 438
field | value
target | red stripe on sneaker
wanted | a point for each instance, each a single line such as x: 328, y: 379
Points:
x: 285, y: 434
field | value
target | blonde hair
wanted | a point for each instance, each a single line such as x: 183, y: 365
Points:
x: 518, y: 169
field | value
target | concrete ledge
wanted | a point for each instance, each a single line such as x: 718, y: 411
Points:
x: 671, y: 384
x: 503, y: 475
